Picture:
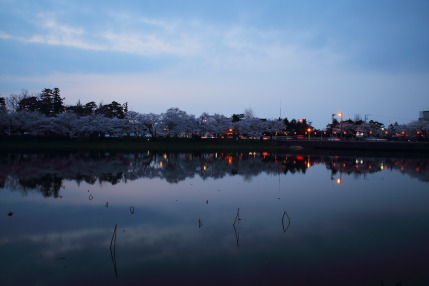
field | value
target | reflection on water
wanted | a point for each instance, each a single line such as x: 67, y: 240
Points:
x: 213, y: 219
x: 46, y: 172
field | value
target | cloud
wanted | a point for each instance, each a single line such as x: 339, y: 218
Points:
x: 55, y: 33
x: 223, y: 47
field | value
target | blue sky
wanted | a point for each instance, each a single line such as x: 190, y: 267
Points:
x: 308, y: 58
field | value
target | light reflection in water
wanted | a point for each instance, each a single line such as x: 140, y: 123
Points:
x: 371, y: 227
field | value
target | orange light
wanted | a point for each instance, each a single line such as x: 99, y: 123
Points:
x: 339, y: 181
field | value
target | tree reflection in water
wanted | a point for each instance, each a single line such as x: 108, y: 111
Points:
x: 45, y: 172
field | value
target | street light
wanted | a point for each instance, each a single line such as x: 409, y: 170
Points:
x: 341, y: 123
x: 309, y: 130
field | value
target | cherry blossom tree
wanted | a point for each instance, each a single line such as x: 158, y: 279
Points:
x: 213, y: 125
x: 176, y: 122
x: 152, y: 123
x: 274, y: 126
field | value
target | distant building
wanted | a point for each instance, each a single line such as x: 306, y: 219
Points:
x: 424, y: 115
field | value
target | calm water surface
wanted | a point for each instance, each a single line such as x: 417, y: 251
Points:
x: 213, y: 219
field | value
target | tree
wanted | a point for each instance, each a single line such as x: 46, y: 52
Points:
x: 13, y: 100
x: 297, y: 126
x: 57, y: 105
x: 112, y: 110
x: 248, y: 113
x: 286, y: 122
x: 214, y: 125
x: 251, y: 127
x: 134, y: 124
x: 152, y: 122
x: 89, y: 108
x: 2, y: 104
x: 176, y: 122
x: 235, y: 118
x: 274, y: 126
x: 45, y: 102
x: 330, y: 127
x: 29, y: 104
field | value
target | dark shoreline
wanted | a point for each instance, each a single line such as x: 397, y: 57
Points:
x: 207, y: 145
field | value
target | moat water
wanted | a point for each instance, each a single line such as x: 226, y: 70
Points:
x: 213, y: 219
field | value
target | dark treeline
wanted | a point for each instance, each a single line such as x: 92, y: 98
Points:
x: 45, y: 114
x: 50, y: 103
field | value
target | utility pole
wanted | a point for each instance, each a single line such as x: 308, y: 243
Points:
x: 366, y: 117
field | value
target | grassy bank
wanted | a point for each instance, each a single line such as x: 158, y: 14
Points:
x: 135, y: 144
x: 201, y: 145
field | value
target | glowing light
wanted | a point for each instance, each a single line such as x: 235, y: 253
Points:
x: 339, y: 181
x: 205, y: 168
x: 160, y: 164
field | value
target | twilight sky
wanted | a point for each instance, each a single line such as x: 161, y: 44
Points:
x: 308, y: 59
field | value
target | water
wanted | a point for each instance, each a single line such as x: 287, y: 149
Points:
x: 213, y: 219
